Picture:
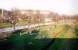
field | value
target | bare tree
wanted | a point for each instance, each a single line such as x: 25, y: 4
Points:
x: 14, y: 17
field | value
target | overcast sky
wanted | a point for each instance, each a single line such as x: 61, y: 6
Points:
x: 68, y: 7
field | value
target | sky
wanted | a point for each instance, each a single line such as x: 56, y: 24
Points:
x: 68, y: 7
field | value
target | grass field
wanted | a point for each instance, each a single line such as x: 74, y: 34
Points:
x: 5, y: 25
x: 42, y: 36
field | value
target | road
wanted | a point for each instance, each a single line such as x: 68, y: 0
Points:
x: 23, y: 27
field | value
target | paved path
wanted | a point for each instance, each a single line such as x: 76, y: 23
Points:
x: 23, y: 27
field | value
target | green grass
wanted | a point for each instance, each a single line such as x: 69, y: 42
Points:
x: 28, y: 40
x: 21, y: 23
x: 62, y: 44
x: 5, y: 25
x: 39, y: 39
x: 66, y: 28
x: 76, y: 31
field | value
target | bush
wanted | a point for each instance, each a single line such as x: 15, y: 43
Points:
x: 76, y: 31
